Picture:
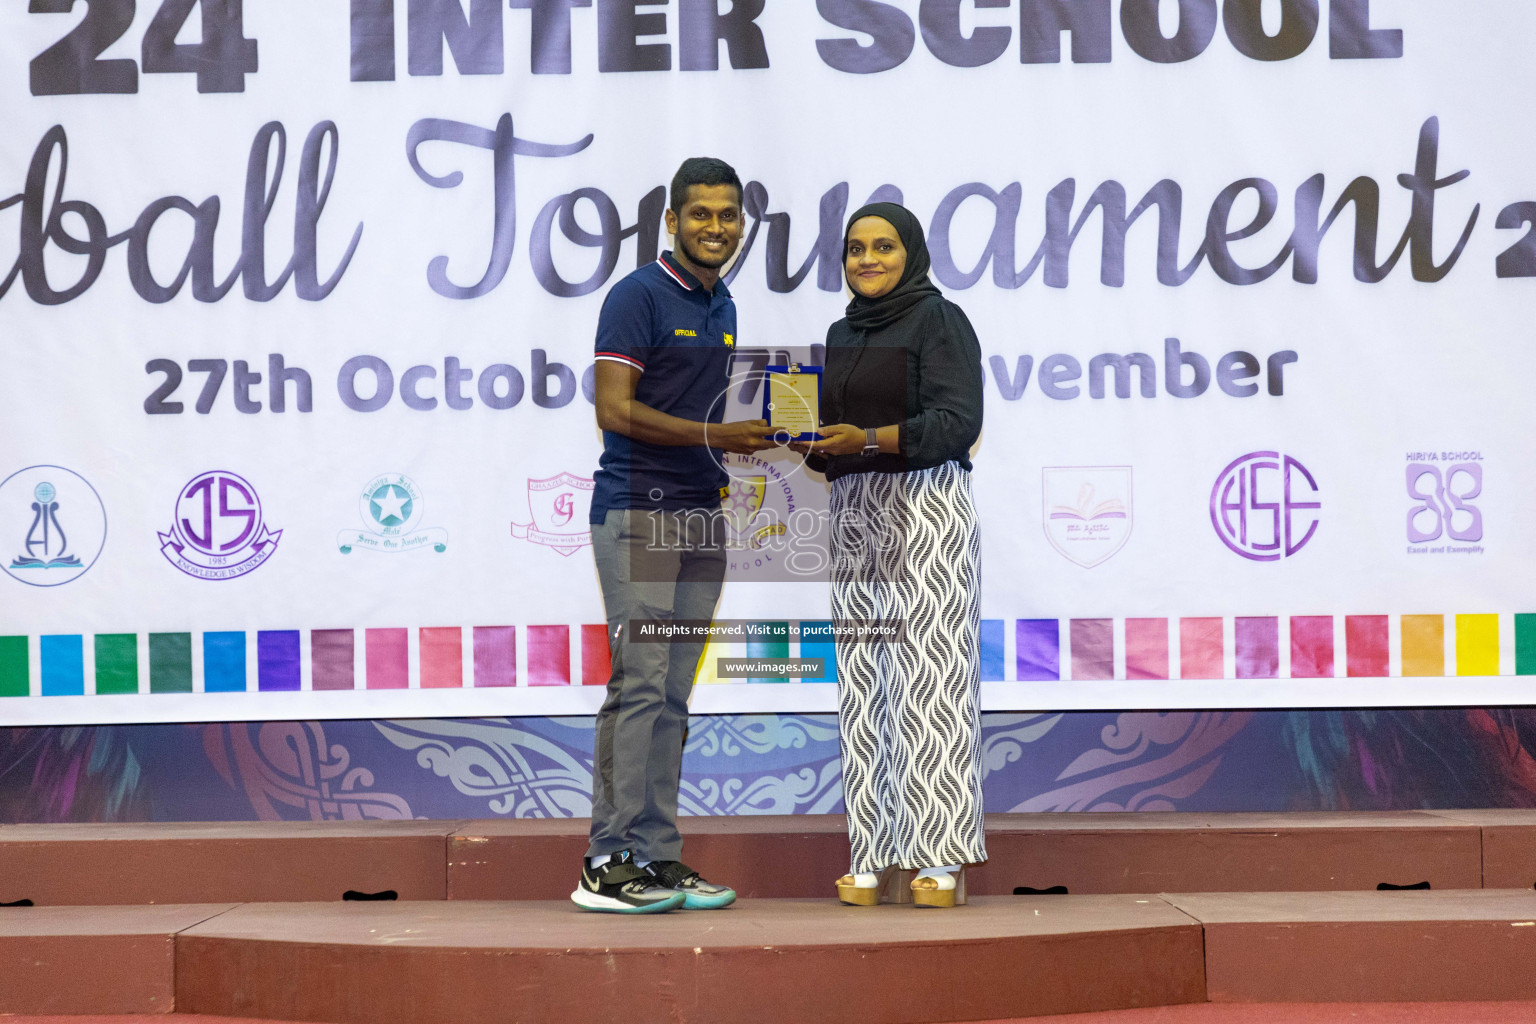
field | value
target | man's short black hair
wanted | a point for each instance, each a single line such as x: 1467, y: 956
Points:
x: 702, y: 170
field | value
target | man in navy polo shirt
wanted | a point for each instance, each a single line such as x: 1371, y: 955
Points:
x: 664, y: 343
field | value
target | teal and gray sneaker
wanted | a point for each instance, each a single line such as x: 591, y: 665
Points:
x: 697, y: 894
x: 619, y: 887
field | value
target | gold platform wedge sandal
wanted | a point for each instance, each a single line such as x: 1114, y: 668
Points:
x: 870, y: 889
x: 941, y: 887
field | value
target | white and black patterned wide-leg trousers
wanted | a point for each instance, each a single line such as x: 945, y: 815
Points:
x: 905, y: 546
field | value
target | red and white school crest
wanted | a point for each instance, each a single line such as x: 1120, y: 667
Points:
x: 558, y: 506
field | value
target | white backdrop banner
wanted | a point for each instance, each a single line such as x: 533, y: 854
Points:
x: 297, y: 305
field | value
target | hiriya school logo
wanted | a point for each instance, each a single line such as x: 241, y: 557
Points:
x: 558, y: 506
x: 1087, y: 511
x: 774, y: 531
x: 1441, y: 486
x: 53, y: 524
x: 218, y: 532
x: 1262, y: 506
x: 391, y: 507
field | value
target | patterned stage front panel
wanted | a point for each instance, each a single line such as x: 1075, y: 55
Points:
x: 766, y: 764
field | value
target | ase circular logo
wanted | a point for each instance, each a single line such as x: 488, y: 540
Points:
x: 1263, y: 506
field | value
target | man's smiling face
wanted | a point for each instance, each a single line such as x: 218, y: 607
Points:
x: 708, y: 227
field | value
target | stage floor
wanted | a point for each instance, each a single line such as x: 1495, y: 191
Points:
x: 769, y: 856
x: 1196, y: 1013
x: 1310, y: 927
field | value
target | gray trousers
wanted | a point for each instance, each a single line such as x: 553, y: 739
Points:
x: 655, y: 566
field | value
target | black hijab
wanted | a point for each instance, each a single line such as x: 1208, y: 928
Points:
x: 914, y: 286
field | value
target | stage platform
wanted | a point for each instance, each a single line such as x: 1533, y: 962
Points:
x: 1162, y: 909
x: 767, y: 856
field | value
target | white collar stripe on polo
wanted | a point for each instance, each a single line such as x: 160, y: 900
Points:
x: 673, y: 274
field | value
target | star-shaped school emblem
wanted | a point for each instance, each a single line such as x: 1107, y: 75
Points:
x: 390, y: 505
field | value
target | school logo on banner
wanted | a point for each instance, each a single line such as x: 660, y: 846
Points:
x: 775, y: 522
x: 558, y: 506
x: 218, y: 531
x: 1087, y: 511
x: 1443, y: 518
x: 391, y: 507
x: 742, y: 506
x: 53, y: 523
x: 1264, y: 506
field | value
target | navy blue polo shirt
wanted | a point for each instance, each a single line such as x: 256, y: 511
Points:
x: 661, y: 320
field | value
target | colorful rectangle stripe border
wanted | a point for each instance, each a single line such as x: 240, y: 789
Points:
x: 558, y: 654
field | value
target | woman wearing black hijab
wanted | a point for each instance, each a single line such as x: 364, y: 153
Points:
x: 903, y: 394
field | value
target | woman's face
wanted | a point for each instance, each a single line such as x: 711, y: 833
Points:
x: 875, y: 257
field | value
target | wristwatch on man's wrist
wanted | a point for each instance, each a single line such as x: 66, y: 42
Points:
x: 871, y: 445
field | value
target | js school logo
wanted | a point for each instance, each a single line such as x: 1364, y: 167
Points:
x: 218, y: 532
x: 1087, y: 511
x: 391, y: 507
x: 54, y: 523
x: 558, y: 506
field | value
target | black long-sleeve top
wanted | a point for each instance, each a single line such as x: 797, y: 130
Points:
x: 922, y: 372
